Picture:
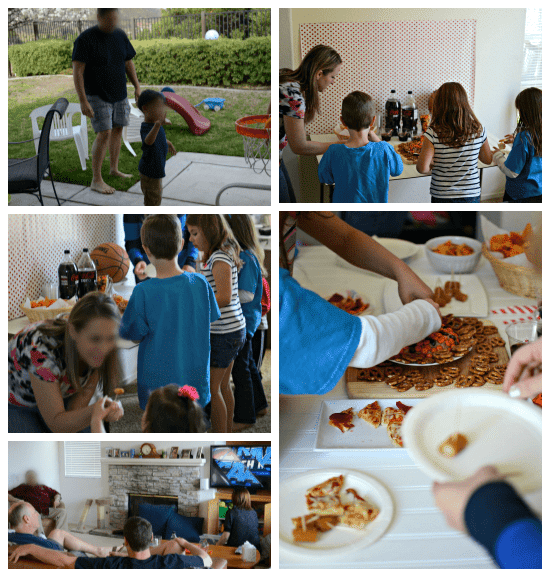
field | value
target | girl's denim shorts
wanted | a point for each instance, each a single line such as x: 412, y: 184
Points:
x: 224, y: 348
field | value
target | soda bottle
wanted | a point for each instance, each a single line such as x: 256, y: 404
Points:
x: 410, y: 113
x: 87, y: 274
x: 393, y: 112
x: 68, y: 277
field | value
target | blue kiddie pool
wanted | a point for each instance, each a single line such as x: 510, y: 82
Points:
x: 215, y: 104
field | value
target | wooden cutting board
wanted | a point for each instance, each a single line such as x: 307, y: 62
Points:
x: 357, y: 389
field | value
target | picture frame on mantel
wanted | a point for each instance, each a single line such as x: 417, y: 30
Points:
x: 174, y: 452
x: 186, y: 454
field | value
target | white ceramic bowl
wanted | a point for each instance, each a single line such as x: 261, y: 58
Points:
x: 457, y: 264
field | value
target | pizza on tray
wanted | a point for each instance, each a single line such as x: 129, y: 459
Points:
x: 371, y: 414
x: 409, y: 151
x: 353, y: 306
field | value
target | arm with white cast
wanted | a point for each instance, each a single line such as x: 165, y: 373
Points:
x: 384, y: 336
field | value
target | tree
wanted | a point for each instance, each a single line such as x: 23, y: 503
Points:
x: 18, y: 16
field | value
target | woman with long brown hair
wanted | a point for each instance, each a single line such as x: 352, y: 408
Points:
x: 59, y: 371
x: 523, y: 166
x: 299, y: 103
x: 452, y: 145
x: 241, y: 522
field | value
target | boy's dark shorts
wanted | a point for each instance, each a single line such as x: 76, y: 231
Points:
x: 108, y: 115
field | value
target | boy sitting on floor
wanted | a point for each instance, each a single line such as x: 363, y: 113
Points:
x: 361, y: 167
x: 138, y: 535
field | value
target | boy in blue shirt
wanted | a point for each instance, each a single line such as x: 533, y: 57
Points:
x: 154, y: 145
x: 361, y: 167
x: 170, y: 316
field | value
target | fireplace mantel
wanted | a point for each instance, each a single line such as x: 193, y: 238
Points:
x: 117, y: 461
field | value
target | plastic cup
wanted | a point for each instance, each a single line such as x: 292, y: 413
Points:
x: 520, y: 334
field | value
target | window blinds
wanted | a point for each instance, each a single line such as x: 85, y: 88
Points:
x: 532, y: 49
x: 83, y: 459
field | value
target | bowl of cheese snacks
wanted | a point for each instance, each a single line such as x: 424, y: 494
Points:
x: 453, y: 254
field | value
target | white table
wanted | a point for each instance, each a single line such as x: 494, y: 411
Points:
x: 403, y: 189
x: 418, y: 536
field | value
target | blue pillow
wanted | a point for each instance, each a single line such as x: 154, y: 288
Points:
x: 157, y: 515
x: 189, y: 528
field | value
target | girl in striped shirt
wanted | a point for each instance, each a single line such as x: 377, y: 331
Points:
x: 452, y: 145
x: 211, y: 234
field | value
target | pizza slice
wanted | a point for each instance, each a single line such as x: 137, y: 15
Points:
x: 371, y: 414
x: 358, y: 514
x: 392, y: 415
x: 324, y: 498
x: 343, y: 420
x: 307, y: 528
x: 394, y: 432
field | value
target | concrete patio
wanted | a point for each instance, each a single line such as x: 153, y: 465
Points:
x: 192, y: 179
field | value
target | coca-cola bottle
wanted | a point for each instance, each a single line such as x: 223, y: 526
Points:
x: 393, y: 112
x: 68, y: 277
x: 87, y: 274
x: 410, y: 114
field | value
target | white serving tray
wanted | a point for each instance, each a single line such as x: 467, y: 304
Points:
x: 477, y: 304
x: 362, y: 436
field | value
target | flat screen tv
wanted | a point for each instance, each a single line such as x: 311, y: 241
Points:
x: 240, y: 466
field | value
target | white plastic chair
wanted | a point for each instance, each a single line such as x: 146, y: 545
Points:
x: 63, y: 129
x: 131, y: 133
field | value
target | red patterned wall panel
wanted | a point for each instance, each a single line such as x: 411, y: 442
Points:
x: 36, y: 244
x: 380, y: 56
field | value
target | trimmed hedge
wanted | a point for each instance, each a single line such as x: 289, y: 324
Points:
x: 40, y: 57
x: 220, y: 62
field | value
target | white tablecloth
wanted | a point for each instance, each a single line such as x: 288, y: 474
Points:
x: 418, y: 536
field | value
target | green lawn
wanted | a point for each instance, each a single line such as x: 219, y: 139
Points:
x: 27, y: 94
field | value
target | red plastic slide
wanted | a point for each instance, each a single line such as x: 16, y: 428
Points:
x: 198, y: 124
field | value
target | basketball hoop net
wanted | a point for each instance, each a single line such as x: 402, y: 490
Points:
x: 256, y: 133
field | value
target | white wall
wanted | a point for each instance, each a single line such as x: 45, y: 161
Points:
x: 499, y: 54
x: 40, y: 456
x: 75, y: 491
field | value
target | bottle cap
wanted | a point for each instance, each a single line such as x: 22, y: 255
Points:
x: 410, y: 92
x: 392, y: 91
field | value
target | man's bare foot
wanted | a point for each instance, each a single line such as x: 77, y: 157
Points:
x: 118, y: 173
x: 240, y: 427
x: 102, y: 187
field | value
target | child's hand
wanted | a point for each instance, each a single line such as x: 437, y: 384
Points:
x: 115, y: 412
x: 508, y: 139
x: 99, y: 412
x: 411, y: 287
x: 522, y: 370
x: 434, y: 304
x: 171, y: 148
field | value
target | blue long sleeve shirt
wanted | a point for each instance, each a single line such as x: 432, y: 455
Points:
x: 497, y: 518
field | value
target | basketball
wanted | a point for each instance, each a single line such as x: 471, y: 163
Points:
x: 111, y: 259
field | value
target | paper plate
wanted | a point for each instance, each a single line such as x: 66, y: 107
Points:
x: 340, y: 540
x: 402, y: 249
x: 501, y: 431
x: 151, y: 271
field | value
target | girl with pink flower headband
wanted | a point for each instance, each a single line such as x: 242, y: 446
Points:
x: 170, y: 409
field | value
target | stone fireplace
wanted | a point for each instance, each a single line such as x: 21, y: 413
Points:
x: 156, y: 478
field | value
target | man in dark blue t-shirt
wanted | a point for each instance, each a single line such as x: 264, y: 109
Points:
x: 137, y: 539
x: 102, y: 57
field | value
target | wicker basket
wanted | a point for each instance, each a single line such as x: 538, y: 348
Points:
x: 519, y: 280
x: 40, y: 314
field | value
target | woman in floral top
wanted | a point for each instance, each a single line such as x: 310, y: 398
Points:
x: 58, y: 371
x: 299, y: 103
